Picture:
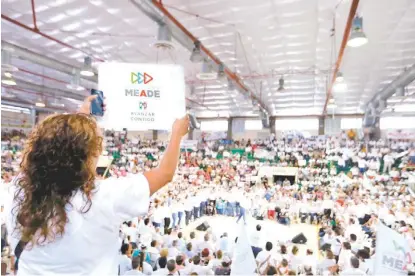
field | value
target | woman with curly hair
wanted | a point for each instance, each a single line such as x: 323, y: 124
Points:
x: 63, y: 218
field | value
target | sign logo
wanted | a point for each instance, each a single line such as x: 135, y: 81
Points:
x: 138, y: 78
x: 142, y: 105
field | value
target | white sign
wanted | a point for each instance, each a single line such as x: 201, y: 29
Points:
x: 141, y: 96
x: 393, y: 254
x: 270, y: 171
x: 215, y: 135
x: 400, y: 134
x: 189, y: 144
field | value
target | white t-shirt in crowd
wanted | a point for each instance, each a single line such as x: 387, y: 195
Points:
x: 89, y: 245
x: 124, y: 264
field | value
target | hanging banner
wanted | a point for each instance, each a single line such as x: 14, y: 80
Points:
x: 189, y: 144
x: 141, y: 96
x: 214, y: 135
x: 397, y: 134
x: 393, y: 254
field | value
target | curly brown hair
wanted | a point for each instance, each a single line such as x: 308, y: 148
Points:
x: 58, y: 161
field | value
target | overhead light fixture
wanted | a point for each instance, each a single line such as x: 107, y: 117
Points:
x: 196, y: 55
x: 87, y: 68
x: 164, y: 40
x: 221, y: 71
x: 281, y: 84
x: 8, y: 80
x: 8, y: 74
x: 357, y: 36
x: 40, y: 102
x: 331, y: 104
x: 206, y: 73
x: 340, y: 87
x: 75, y: 82
x: 339, y: 77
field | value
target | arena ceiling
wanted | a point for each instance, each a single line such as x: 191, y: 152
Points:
x: 260, y: 41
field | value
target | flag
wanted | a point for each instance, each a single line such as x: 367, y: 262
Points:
x: 393, y: 254
x: 243, y: 262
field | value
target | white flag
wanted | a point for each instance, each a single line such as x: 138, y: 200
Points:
x: 243, y: 262
x: 393, y: 255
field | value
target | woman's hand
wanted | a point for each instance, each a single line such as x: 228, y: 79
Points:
x: 181, y: 126
x: 86, y: 105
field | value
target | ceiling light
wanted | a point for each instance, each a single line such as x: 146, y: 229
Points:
x: 40, y: 104
x: 196, y: 55
x: 331, y: 104
x: 164, y: 41
x: 87, y: 68
x: 75, y: 82
x: 339, y: 77
x: 340, y: 87
x: 8, y: 80
x: 281, y: 84
x: 221, y: 71
x: 206, y: 73
x: 357, y: 36
x: 8, y: 74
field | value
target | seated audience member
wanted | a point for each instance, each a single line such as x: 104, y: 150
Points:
x: 140, y: 267
x: 225, y: 267
x: 200, y: 268
x: 353, y: 268
x: 171, y: 267
x: 161, y: 266
x: 124, y: 262
x: 264, y: 257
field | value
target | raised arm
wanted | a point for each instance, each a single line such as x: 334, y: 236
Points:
x: 159, y: 177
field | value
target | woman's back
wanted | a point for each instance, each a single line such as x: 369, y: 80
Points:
x: 89, y: 244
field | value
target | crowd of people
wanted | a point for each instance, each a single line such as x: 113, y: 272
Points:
x: 343, y: 186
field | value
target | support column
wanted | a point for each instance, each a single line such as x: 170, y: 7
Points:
x: 33, y: 117
x: 229, y: 135
x: 321, y: 125
x: 155, y: 135
x: 272, y: 124
x: 190, y: 134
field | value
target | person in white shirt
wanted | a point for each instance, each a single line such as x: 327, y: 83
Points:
x: 124, y: 262
x: 206, y: 243
x: 345, y: 255
x: 257, y: 241
x: 198, y: 268
x: 132, y: 232
x: 353, y: 268
x: 161, y: 267
x: 76, y: 215
x: 173, y: 250
x: 264, y: 258
x: 140, y: 267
